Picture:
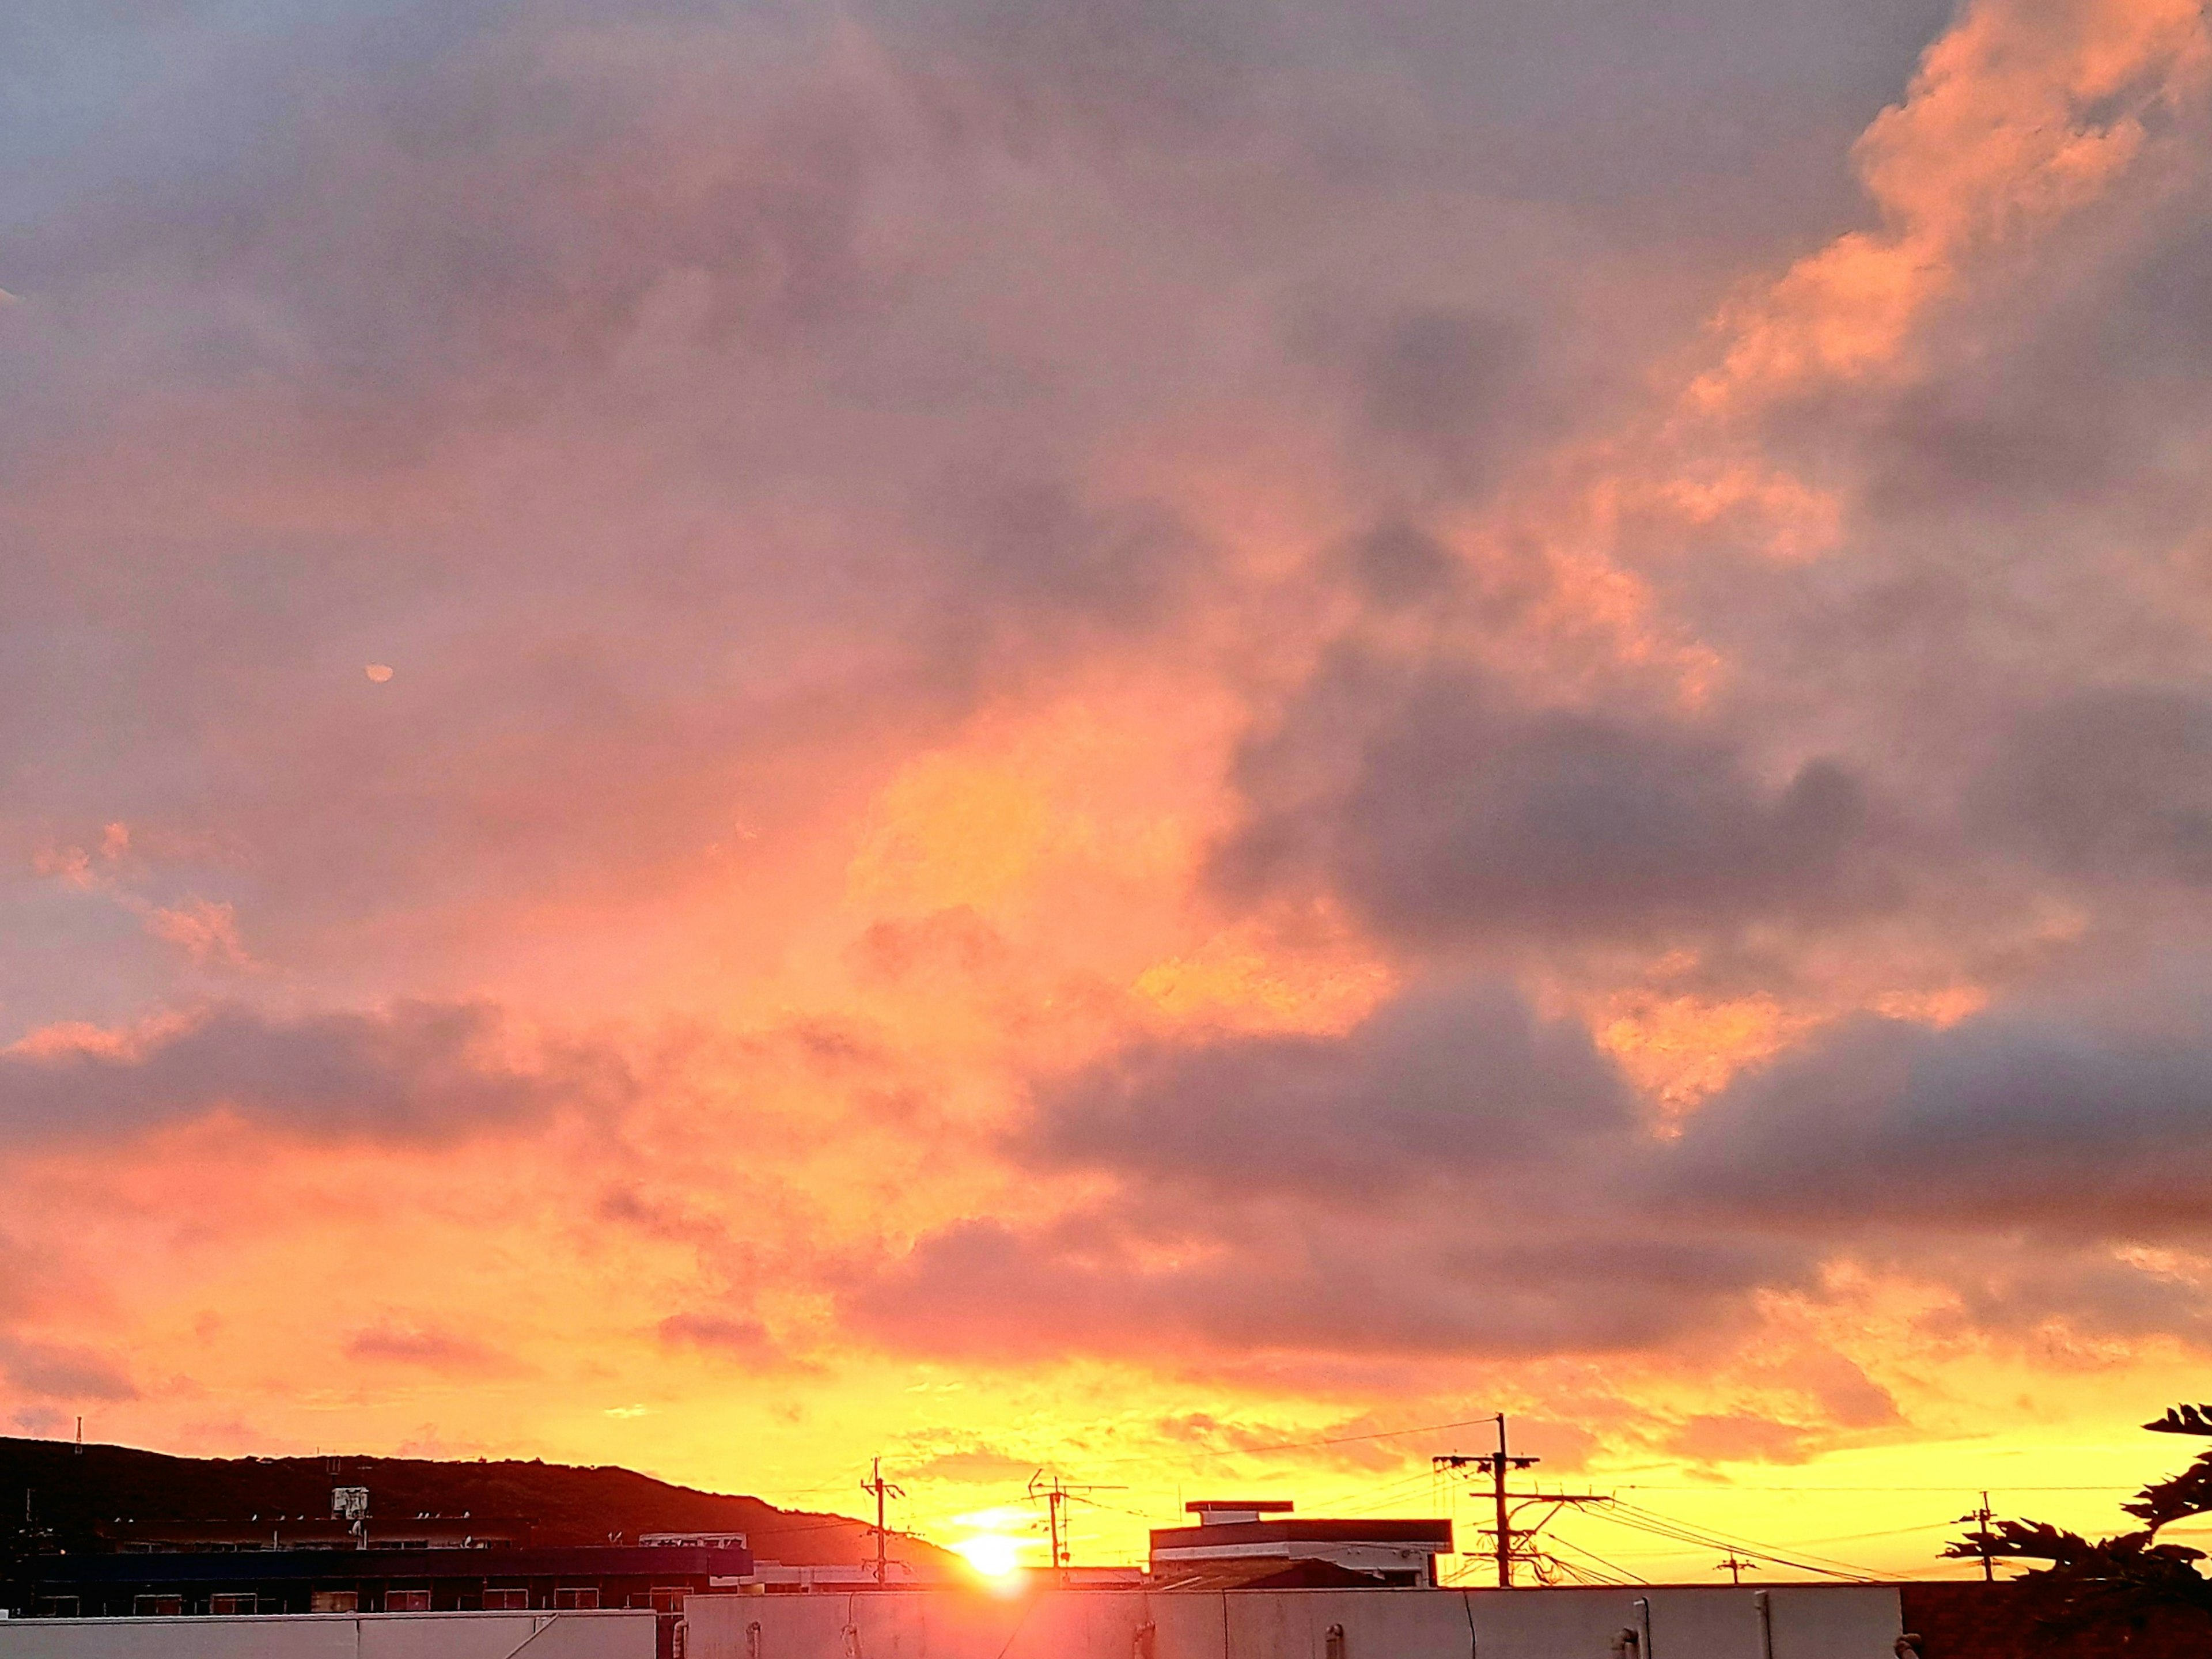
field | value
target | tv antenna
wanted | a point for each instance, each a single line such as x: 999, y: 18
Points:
x: 1057, y: 1495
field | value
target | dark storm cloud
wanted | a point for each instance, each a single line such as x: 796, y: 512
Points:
x: 1445, y: 810
x: 415, y: 1072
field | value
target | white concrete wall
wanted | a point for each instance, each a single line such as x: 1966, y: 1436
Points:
x: 607, y: 1635
x: 1843, y: 1621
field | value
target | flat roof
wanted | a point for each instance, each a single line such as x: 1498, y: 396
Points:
x: 1310, y: 1530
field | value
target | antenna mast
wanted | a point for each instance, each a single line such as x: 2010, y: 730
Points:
x: 1057, y: 1496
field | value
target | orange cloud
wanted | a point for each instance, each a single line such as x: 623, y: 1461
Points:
x: 2022, y: 114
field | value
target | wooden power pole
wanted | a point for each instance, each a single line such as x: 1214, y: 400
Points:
x: 875, y: 1483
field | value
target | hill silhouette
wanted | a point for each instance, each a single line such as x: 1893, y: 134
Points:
x: 70, y: 1494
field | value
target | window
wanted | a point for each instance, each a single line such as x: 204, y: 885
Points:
x: 584, y: 1596
x: 233, y: 1602
x: 58, y: 1607
x: 506, y: 1598
x: 157, y: 1607
x: 334, y: 1602
x: 414, y: 1598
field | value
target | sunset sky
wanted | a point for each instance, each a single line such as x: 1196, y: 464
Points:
x: 1115, y: 735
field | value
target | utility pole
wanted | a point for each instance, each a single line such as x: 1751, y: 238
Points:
x: 1507, y: 1503
x: 1981, y: 1535
x: 1735, y: 1564
x: 882, y: 1488
x: 1497, y: 1463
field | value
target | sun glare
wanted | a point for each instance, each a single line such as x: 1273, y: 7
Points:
x: 993, y: 1554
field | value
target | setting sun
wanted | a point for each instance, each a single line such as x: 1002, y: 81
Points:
x: 994, y: 1554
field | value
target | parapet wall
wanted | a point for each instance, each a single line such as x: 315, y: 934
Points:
x: 1811, y: 1621
x: 610, y: 1635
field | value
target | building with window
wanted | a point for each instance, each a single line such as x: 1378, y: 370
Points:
x: 375, y: 1580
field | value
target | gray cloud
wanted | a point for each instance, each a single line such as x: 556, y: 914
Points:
x: 414, y: 1071
x: 430, y: 1348
x: 1445, y: 810
x: 1445, y: 1084
x: 1456, y: 1176
x: 733, y: 1338
x: 2056, y: 1116
x: 2109, y: 784
x: 1248, y: 1279
x: 43, y: 1370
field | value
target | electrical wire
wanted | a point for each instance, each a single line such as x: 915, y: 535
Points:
x: 1304, y: 1445
x: 1626, y: 1576
x: 1731, y: 1485
x: 1712, y: 1537
x: 1643, y: 1520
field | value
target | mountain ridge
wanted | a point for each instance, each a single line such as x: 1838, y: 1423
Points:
x: 57, y: 1496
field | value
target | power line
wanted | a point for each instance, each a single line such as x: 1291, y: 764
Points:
x: 1303, y: 1445
x: 1806, y: 1560
x: 1649, y: 1520
x: 1724, y: 1487
x: 1624, y: 1575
